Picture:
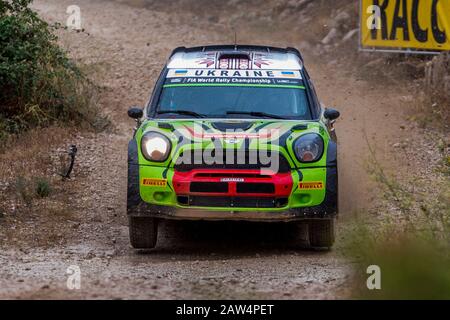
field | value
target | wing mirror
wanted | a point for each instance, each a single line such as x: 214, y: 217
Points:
x: 331, y: 114
x: 135, y: 113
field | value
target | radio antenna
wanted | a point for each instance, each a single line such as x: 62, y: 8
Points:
x: 235, y: 40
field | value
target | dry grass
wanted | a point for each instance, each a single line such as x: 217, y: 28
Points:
x: 29, y: 154
x: 407, y: 235
x: 28, y: 172
x: 434, y: 105
x: 413, y: 266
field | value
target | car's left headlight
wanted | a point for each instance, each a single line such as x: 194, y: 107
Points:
x: 309, y: 147
x: 155, y: 146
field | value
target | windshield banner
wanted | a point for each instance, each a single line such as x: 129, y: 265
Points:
x: 236, y: 77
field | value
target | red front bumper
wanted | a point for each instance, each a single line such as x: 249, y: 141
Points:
x: 232, y: 183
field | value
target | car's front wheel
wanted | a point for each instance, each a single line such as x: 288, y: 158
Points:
x: 321, y: 233
x: 143, y: 232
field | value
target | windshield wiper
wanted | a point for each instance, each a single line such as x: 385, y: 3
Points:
x: 183, y: 112
x: 256, y: 114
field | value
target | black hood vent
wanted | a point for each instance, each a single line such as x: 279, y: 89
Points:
x: 224, y: 126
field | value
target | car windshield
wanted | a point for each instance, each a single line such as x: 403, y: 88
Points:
x: 235, y: 101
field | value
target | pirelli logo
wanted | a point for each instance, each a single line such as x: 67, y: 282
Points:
x: 154, y: 182
x: 313, y: 185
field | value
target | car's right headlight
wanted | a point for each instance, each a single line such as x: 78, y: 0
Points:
x: 309, y: 147
x: 155, y: 147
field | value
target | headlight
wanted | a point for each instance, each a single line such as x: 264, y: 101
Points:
x: 309, y: 147
x: 155, y: 147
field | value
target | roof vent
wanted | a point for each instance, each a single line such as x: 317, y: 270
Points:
x: 234, y: 55
x: 234, y: 60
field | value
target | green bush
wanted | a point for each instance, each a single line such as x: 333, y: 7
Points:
x: 413, y: 264
x: 43, y: 188
x: 39, y: 84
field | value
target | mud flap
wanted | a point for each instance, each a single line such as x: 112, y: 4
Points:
x: 331, y: 197
x: 133, y: 194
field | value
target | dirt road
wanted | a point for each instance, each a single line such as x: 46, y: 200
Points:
x: 126, y: 46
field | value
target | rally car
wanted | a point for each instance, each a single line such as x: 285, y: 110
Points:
x: 233, y: 133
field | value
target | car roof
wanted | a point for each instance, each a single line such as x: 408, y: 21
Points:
x: 236, y: 57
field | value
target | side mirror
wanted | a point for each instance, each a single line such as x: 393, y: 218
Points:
x: 135, y: 113
x: 331, y: 114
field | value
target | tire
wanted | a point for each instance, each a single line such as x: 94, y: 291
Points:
x: 301, y: 236
x: 321, y: 233
x: 143, y: 232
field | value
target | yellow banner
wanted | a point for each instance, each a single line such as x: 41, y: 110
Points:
x: 418, y: 24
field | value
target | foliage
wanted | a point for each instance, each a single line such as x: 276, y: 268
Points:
x: 39, y: 84
x: 43, y: 188
x: 413, y: 264
x: 410, y: 242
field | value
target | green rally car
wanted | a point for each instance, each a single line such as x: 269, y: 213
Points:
x: 233, y: 133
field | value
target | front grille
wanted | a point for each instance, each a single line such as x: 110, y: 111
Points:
x: 245, y: 164
x: 255, y: 188
x: 231, y: 175
x: 232, y: 202
x: 209, y: 187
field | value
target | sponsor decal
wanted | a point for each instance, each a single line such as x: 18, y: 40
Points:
x: 236, y: 73
x: 311, y: 185
x: 154, y: 182
x: 218, y: 83
x: 232, y: 180
x: 290, y: 79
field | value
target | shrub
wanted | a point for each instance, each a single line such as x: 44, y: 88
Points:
x: 410, y: 243
x: 43, y: 188
x: 22, y: 188
x: 413, y: 264
x: 39, y: 84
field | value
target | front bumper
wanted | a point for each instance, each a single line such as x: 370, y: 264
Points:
x: 172, y: 200
x: 174, y: 213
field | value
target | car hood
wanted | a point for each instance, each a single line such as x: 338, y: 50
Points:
x: 228, y: 130
x: 259, y: 134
